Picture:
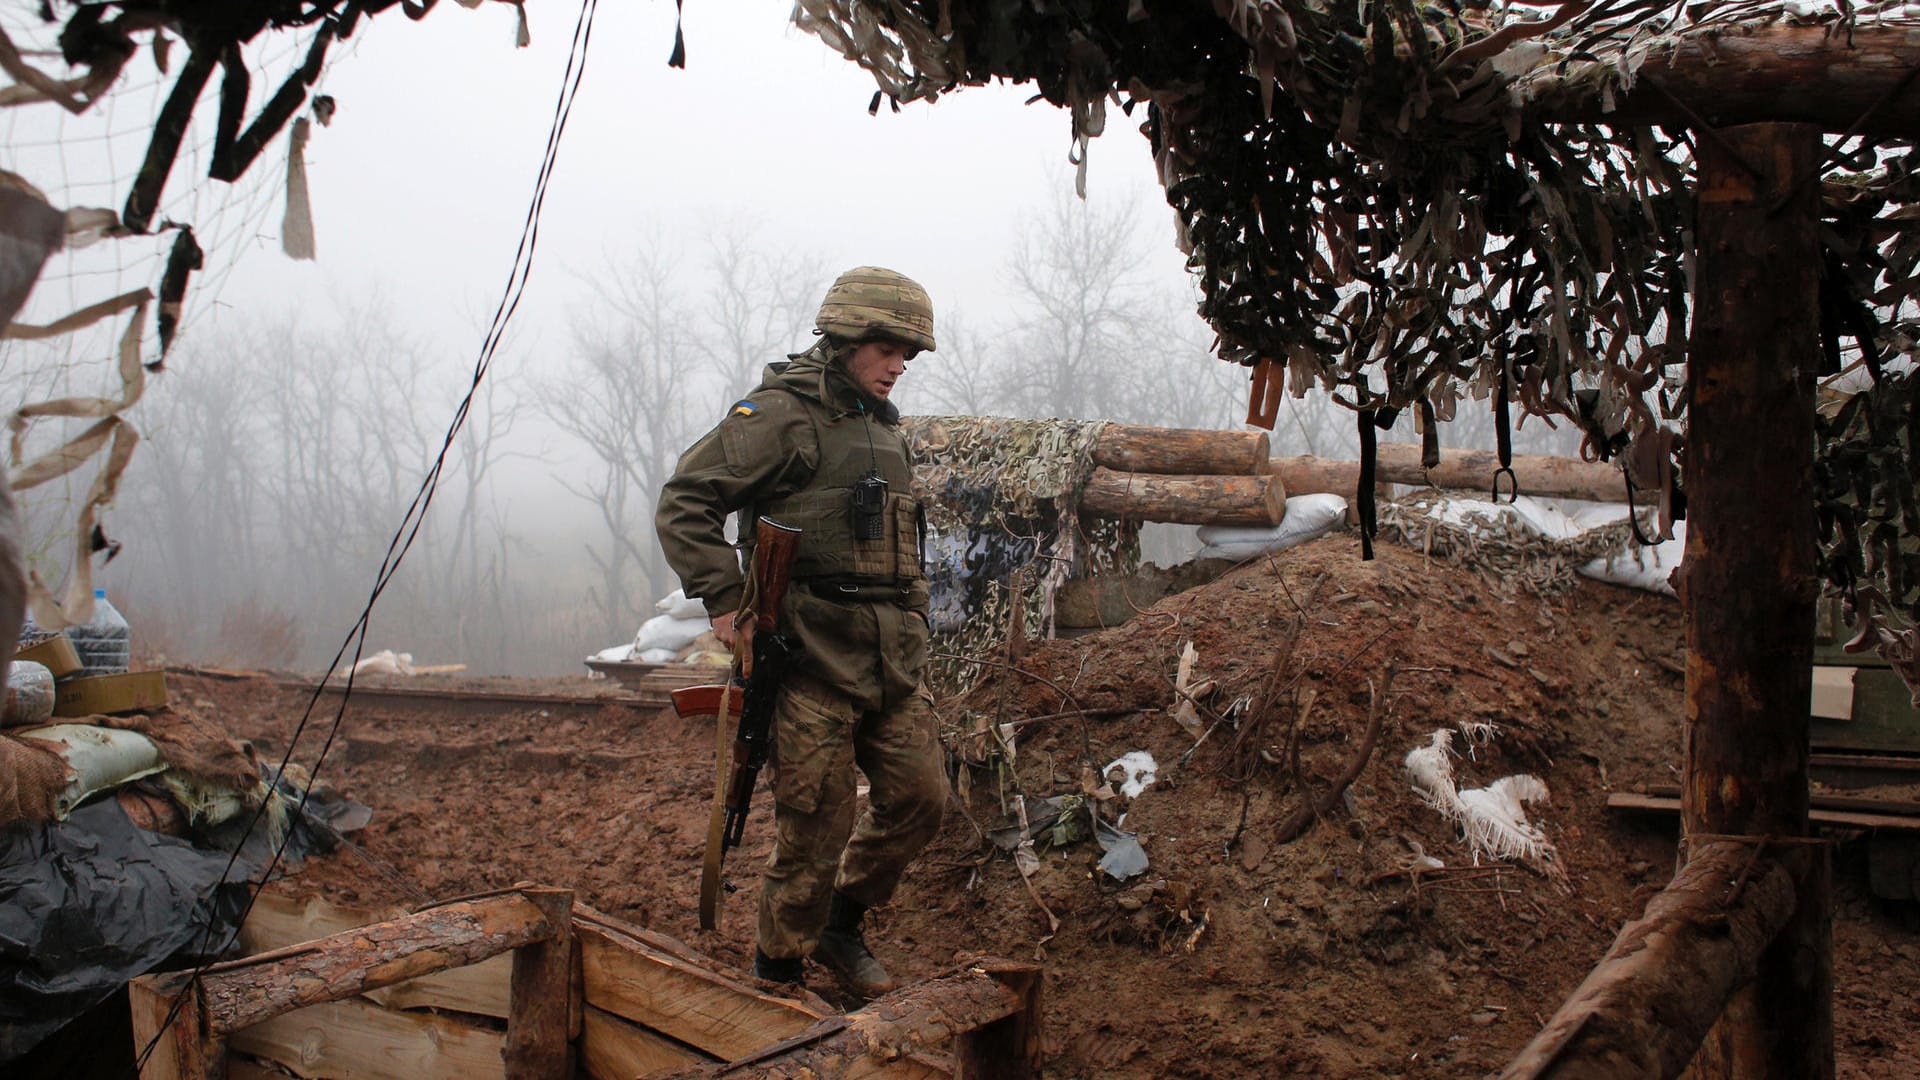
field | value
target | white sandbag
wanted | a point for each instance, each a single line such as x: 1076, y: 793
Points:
x: 613, y: 654
x: 669, y: 633
x: 1307, y: 516
x: 1640, y: 567
x: 656, y: 656
x: 678, y: 606
x: 1547, y: 520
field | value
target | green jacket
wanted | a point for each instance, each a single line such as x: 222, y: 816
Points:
x: 791, y: 450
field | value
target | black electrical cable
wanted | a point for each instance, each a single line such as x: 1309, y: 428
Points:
x: 415, y: 516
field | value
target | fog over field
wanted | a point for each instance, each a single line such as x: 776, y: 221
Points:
x: 690, y: 226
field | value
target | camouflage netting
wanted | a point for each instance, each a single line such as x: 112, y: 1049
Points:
x: 1375, y: 206
x: 1003, y: 524
x: 1508, y: 552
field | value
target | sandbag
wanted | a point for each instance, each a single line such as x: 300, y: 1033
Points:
x: 677, y: 605
x: 1639, y: 567
x: 669, y: 633
x: 1307, y: 516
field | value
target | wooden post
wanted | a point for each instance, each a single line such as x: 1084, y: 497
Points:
x: 181, y: 1048
x: 544, y: 1013
x: 1748, y: 580
x: 1007, y: 1049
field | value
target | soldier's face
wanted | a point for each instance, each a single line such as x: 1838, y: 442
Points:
x: 876, y: 365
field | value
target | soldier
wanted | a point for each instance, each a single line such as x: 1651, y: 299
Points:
x: 817, y: 446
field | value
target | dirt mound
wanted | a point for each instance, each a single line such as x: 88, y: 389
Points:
x: 1340, y: 952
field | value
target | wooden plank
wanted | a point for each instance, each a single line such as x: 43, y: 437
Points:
x: 1627, y: 800
x: 1862, y: 770
x: 278, y: 921
x: 244, y: 992
x: 615, y: 1049
x: 707, y: 1011
x: 1850, y: 803
x: 355, y: 1039
x: 878, y: 1040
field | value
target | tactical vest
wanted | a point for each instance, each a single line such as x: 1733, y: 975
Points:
x: 830, y: 554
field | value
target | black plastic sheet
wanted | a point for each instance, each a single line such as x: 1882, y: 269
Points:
x: 91, y: 902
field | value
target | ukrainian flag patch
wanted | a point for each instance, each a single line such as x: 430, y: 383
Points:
x: 743, y: 408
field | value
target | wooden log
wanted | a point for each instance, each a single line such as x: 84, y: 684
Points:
x: 1643, y: 1010
x: 1855, y: 81
x: 241, y: 993
x: 170, y: 1034
x: 1465, y: 470
x: 709, y: 1012
x: 1190, y: 500
x: 359, y: 1039
x: 545, y: 1008
x: 278, y: 921
x: 881, y: 1037
x: 1747, y: 582
x: 1181, y: 451
x: 1006, y: 1049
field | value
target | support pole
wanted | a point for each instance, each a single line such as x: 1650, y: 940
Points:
x: 545, y: 1013
x: 1006, y: 1049
x: 1748, y: 583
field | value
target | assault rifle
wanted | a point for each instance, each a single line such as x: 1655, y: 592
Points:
x: 772, y: 656
x: 749, y: 696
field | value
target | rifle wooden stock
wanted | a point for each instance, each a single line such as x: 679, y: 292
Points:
x: 774, y: 546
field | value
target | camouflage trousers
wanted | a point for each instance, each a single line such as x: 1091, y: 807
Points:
x: 818, y: 847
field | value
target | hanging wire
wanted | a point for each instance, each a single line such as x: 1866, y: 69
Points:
x: 415, y: 516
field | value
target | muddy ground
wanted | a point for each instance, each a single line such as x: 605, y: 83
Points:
x: 1235, y: 953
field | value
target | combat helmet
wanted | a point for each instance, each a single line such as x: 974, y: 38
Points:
x: 871, y: 301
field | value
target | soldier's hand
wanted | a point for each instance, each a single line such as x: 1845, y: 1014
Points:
x: 723, y: 628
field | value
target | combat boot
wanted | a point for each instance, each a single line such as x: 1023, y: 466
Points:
x: 786, y: 970
x: 843, y: 949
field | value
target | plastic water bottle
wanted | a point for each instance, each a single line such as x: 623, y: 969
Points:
x: 104, y: 642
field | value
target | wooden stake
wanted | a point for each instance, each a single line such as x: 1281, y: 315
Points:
x: 1006, y: 1049
x: 181, y: 1048
x: 545, y: 1009
x: 1748, y: 580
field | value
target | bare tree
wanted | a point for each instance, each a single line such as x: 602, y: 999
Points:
x: 623, y: 396
x: 1088, y: 324
x: 760, y: 305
